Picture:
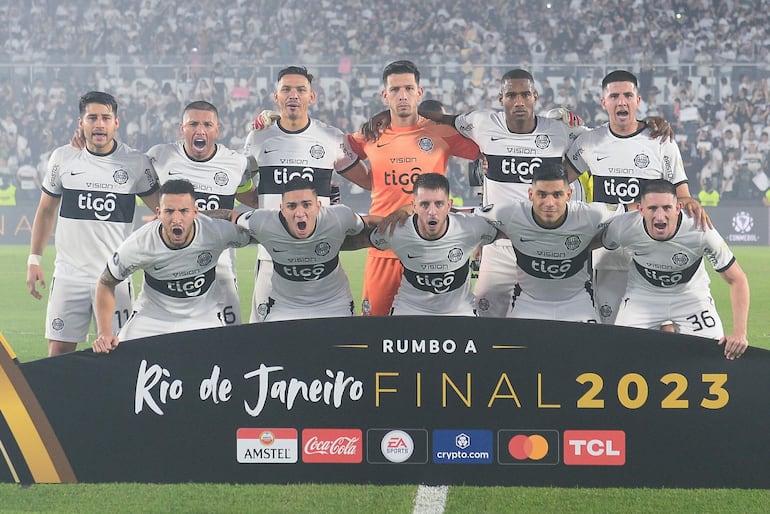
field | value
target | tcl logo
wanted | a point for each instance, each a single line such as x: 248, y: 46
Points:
x: 594, y: 447
x: 332, y: 445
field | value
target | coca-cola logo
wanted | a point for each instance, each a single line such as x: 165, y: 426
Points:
x: 342, y: 445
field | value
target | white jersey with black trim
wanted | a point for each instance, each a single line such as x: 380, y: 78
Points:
x: 314, y: 153
x: 512, y: 157
x: 674, y: 266
x: 216, y: 180
x: 176, y: 280
x: 306, y: 272
x: 98, y: 203
x: 436, y: 278
x: 552, y: 262
x: 618, y: 165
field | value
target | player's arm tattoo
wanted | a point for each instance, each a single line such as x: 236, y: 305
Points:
x: 219, y: 214
x: 108, y: 279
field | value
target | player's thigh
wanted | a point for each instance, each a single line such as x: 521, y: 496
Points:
x: 263, y: 287
x: 698, y: 317
x: 609, y: 289
x: 227, y: 291
x: 497, y: 279
x: 641, y: 311
x: 382, y: 278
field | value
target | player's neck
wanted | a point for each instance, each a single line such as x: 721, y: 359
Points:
x: 521, y: 126
x: 294, y: 125
x: 401, y: 122
x: 626, y: 130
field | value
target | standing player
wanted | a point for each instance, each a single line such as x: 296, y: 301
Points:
x: 178, y: 253
x: 668, y: 281
x: 434, y: 247
x: 219, y: 175
x: 295, y: 146
x: 552, y: 239
x: 618, y: 157
x: 411, y: 146
x: 304, y: 240
x: 94, y: 192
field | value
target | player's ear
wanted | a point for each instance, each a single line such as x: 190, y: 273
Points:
x: 312, y: 97
x: 530, y: 194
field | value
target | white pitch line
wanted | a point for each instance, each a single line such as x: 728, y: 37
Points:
x: 430, y: 499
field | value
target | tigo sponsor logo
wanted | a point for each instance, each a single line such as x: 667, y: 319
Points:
x: 332, y: 445
x: 462, y: 446
x: 528, y: 447
x: 267, y: 445
x: 594, y: 447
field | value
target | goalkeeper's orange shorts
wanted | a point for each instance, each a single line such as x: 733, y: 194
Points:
x: 382, y: 277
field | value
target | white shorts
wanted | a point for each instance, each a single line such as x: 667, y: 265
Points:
x: 276, y: 311
x: 226, y: 287
x: 144, y: 325
x: 263, y: 286
x: 497, y: 277
x: 71, y: 309
x: 689, y: 314
x: 609, y: 290
x: 578, y: 308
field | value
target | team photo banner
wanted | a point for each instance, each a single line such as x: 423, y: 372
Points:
x: 403, y: 400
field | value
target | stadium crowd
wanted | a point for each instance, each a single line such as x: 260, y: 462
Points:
x: 702, y: 64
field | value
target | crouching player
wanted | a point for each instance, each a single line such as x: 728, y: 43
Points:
x: 668, y: 280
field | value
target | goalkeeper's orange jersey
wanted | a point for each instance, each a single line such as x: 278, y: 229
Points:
x: 401, y: 154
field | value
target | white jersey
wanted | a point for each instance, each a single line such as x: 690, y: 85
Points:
x: 313, y: 153
x: 306, y: 272
x: 436, y: 272
x: 671, y: 267
x: 552, y: 262
x: 98, y: 203
x: 618, y: 165
x: 176, y: 281
x: 216, y: 180
x: 512, y: 158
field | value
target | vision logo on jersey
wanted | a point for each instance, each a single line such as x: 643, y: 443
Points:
x: 267, y: 445
x: 332, y: 445
x: 594, y: 447
x: 462, y: 446
x: 528, y: 447
x: 400, y: 446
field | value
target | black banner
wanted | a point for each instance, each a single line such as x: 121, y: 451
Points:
x: 407, y: 400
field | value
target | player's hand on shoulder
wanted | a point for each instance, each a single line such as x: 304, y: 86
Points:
x: 395, y: 219
x: 660, y: 128
x: 265, y: 119
x: 567, y: 117
x: 695, y: 210
x: 78, y: 139
x: 373, y: 129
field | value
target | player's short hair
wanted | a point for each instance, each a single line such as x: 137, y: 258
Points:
x: 299, y: 184
x: 657, y: 185
x: 432, y: 181
x: 550, y: 171
x: 517, y: 73
x: 295, y: 70
x: 399, y: 67
x: 179, y: 186
x: 98, y: 97
x: 201, y: 105
x: 431, y: 105
x: 619, y: 76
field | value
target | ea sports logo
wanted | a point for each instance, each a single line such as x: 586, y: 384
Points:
x: 528, y: 447
x: 397, y: 446
x: 743, y: 222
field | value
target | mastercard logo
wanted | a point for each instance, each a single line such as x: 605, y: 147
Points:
x: 528, y: 447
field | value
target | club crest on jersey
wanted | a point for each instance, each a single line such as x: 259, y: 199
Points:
x: 221, y: 178
x: 641, y: 161
x: 455, y: 254
x: 425, y: 144
x: 205, y: 258
x: 680, y: 259
x: 317, y: 151
x: 322, y: 248
x: 572, y: 242
x: 120, y: 176
x: 542, y: 141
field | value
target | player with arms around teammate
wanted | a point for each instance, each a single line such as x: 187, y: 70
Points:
x: 219, y: 175
x: 668, y: 280
x: 295, y: 146
x: 434, y: 246
x: 410, y: 146
x: 178, y: 253
x: 93, y: 190
x: 619, y: 157
x: 552, y: 240
x: 304, y: 240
